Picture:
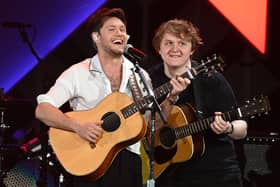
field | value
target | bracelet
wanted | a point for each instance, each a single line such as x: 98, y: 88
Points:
x: 172, y: 99
x: 232, y: 129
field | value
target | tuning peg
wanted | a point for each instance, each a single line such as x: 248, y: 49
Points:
x: 214, y: 56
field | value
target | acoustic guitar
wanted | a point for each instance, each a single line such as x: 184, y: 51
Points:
x: 182, y: 138
x: 123, y: 125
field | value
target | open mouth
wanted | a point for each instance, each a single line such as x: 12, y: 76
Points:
x: 118, y: 42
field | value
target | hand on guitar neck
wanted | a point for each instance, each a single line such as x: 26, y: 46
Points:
x: 182, y: 138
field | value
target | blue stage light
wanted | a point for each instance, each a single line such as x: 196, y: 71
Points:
x: 51, y: 22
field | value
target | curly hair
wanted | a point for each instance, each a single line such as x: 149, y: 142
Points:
x: 180, y: 28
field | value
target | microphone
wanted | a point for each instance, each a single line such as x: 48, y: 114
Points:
x: 137, y: 54
x: 12, y: 24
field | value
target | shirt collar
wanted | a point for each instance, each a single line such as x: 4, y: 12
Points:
x: 96, y: 66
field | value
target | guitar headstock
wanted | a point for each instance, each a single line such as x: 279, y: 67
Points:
x: 210, y: 64
x: 256, y: 106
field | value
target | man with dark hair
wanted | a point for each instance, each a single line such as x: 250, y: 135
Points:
x: 86, y: 85
x: 95, y: 22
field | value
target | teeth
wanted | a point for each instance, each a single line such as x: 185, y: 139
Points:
x: 117, y: 41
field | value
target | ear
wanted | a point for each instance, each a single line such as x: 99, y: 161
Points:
x: 95, y: 36
x: 127, y: 37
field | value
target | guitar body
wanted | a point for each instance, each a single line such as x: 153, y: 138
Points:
x: 80, y: 158
x: 182, y: 138
x: 185, y: 148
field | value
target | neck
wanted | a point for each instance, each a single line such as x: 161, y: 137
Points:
x: 110, y: 60
x: 173, y: 71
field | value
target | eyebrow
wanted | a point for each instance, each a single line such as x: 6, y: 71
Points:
x: 122, y: 26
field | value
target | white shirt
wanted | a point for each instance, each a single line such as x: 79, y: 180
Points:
x: 85, y: 84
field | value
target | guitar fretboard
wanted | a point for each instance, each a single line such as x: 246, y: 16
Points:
x: 256, y: 106
x: 202, y: 125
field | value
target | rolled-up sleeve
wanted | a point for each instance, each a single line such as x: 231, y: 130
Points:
x: 61, y: 91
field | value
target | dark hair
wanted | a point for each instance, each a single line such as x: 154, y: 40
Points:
x: 180, y: 28
x: 96, y: 21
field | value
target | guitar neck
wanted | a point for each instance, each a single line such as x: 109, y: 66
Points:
x: 159, y: 92
x: 202, y: 125
x: 257, y: 105
x: 211, y: 64
x: 167, y: 87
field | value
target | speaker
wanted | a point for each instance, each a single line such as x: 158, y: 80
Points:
x: 256, y: 160
x: 261, y: 164
x: 26, y: 174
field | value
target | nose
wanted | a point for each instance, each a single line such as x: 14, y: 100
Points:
x: 174, y: 47
x: 118, y: 31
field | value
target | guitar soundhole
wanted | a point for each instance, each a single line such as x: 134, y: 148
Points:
x: 111, y: 121
x: 167, y: 137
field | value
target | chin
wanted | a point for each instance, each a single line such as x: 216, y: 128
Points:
x: 117, y: 53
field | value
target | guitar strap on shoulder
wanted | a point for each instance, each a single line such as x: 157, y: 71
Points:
x: 134, y: 87
x: 197, y: 94
x: 137, y: 95
x: 197, y: 99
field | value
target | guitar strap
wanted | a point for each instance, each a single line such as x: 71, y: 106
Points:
x: 197, y: 94
x: 134, y: 87
x: 145, y: 147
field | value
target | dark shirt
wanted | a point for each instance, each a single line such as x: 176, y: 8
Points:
x: 207, y: 93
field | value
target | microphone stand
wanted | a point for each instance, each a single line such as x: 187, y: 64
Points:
x: 42, y: 179
x: 25, y: 38
x: 154, y: 108
x: 3, y: 129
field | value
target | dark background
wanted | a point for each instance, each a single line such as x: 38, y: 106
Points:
x: 249, y: 72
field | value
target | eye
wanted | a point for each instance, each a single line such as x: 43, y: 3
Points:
x: 168, y: 43
x: 123, y: 29
x: 111, y: 29
x: 182, y: 43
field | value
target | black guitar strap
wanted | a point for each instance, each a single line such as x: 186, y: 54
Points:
x: 197, y: 93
